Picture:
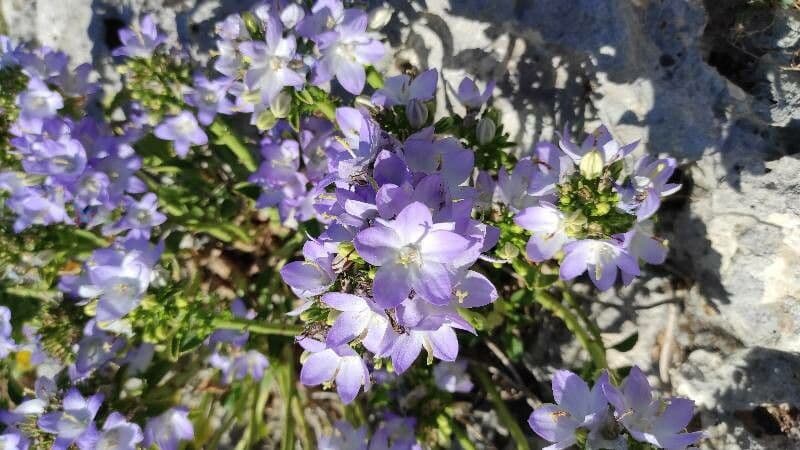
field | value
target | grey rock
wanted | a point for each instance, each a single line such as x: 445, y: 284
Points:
x: 746, y: 396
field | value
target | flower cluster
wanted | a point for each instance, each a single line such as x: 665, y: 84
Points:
x: 394, y: 264
x: 263, y: 53
x: 394, y: 432
x: 229, y: 355
x: 606, y: 415
x: 576, y: 202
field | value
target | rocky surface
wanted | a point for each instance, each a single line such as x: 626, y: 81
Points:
x: 715, y: 84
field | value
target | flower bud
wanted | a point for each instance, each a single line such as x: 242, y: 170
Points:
x: 508, y: 251
x: 591, y: 164
x: 253, y: 25
x: 416, y: 113
x: 485, y: 131
x: 379, y: 17
x: 282, y: 105
x: 292, y: 15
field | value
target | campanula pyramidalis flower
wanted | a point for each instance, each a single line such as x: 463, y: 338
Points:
x: 548, y: 227
x: 340, y: 364
x: 141, y: 40
x: 183, y: 130
x: 452, y: 376
x: 470, y: 96
x: 346, y: 49
x: 602, y: 259
x: 7, y: 344
x: 344, y: 437
x: 647, y: 185
x: 118, y: 434
x: 401, y: 89
x: 75, y: 423
x: 359, y: 318
x: 657, y: 422
x: 273, y: 64
x: 209, y: 97
x: 413, y: 253
x: 576, y: 407
x: 167, y: 430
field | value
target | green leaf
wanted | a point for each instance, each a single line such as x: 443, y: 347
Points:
x: 544, y: 281
x: 374, y: 78
x: 226, y: 232
x: 304, y: 96
x: 225, y: 136
x: 628, y: 343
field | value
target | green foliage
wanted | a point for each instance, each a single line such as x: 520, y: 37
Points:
x: 596, y: 201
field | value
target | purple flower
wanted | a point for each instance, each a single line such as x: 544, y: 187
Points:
x: 235, y: 338
x: 426, y: 326
x: 643, y: 246
x: 43, y: 63
x: 37, y: 102
x: 601, y: 258
x: 401, y: 89
x: 312, y: 276
x: 292, y: 14
x: 118, y: 277
x: 8, y: 52
x: 75, y: 423
x: 240, y: 365
x: 342, y: 364
x: 140, y: 216
x: 183, y: 131
x: 209, y: 97
x: 33, y: 407
x: 75, y: 82
x: 660, y: 423
x: 514, y: 188
x: 597, y: 151
x: 360, y: 318
x: 167, y: 430
x: 576, y: 407
x: 395, y: 433
x: 346, y: 50
x: 141, y: 40
x: 95, y: 349
x: 548, y: 227
x: 413, y: 253
x: 35, y: 207
x: 12, y: 438
x: 647, y: 185
x: 485, y: 187
x: 423, y: 152
x: 118, y: 434
x: 470, y: 96
x: 7, y: 344
x: 65, y: 159
x: 359, y: 147
x: 272, y: 64
x: 281, y: 162
x: 344, y: 437
x: 452, y: 376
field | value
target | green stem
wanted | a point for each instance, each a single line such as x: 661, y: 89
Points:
x: 461, y: 436
x: 288, y: 391
x: 44, y: 295
x: 593, y: 328
x: 306, y: 435
x: 272, y: 329
x: 505, y: 416
x: 228, y: 138
x: 595, y: 349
